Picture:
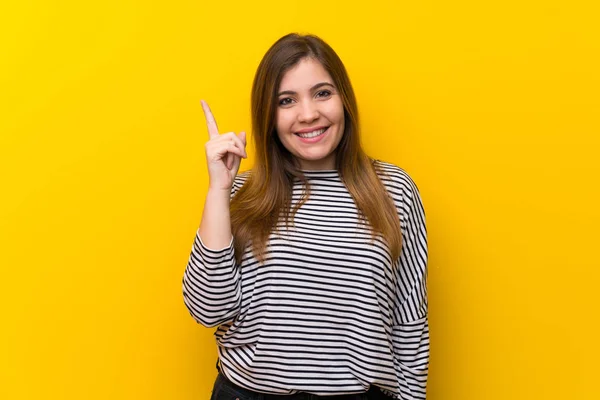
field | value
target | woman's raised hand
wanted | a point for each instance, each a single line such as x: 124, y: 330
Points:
x: 224, y: 153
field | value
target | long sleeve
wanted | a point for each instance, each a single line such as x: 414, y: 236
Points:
x: 211, y: 284
x: 411, y: 326
x: 211, y: 281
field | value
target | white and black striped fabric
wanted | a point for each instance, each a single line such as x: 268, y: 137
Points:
x: 329, y: 312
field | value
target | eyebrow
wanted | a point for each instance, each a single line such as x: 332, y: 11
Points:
x: 318, y: 85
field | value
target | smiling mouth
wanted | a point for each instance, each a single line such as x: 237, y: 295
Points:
x: 313, y: 134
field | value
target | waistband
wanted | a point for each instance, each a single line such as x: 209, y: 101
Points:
x: 374, y: 393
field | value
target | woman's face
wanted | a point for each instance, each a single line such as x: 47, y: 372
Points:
x: 310, y: 115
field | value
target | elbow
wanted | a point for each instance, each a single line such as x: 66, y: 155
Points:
x: 211, y: 292
x: 201, y: 316
x: 208, y: 313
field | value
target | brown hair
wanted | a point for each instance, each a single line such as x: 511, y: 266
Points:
x: 266, y: 195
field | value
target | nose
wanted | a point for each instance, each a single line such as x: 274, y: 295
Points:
x: 308, y: 112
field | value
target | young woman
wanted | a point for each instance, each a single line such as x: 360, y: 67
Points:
x: 313, y: 265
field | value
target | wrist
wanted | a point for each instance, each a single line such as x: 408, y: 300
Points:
x: 218, y: 192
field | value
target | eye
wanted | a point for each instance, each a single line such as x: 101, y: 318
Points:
x: 285, y: 101
x: 324, y: 93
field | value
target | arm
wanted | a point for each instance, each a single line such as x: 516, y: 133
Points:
x: 215, y: 227
x: 411, y: 326
x: 211, y: 281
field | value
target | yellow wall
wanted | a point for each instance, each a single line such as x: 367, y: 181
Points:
x: 492, y: 108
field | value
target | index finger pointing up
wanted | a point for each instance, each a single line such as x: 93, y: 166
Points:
x: 213, y: 131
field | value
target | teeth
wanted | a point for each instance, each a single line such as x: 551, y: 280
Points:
x: 312, y: 134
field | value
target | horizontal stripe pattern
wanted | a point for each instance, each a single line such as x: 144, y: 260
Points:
x: 329, y: 312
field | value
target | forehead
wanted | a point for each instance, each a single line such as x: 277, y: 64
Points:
x: 304, y: 75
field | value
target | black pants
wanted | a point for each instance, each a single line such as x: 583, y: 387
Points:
x: 224, y: 389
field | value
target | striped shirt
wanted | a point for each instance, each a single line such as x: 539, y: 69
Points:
x: 329, y: 312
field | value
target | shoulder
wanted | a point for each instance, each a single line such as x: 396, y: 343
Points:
x: 240, y: 179
x: 396, y: 180
x: 403, y: 191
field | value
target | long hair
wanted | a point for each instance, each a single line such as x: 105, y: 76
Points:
x: 267, y: 194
